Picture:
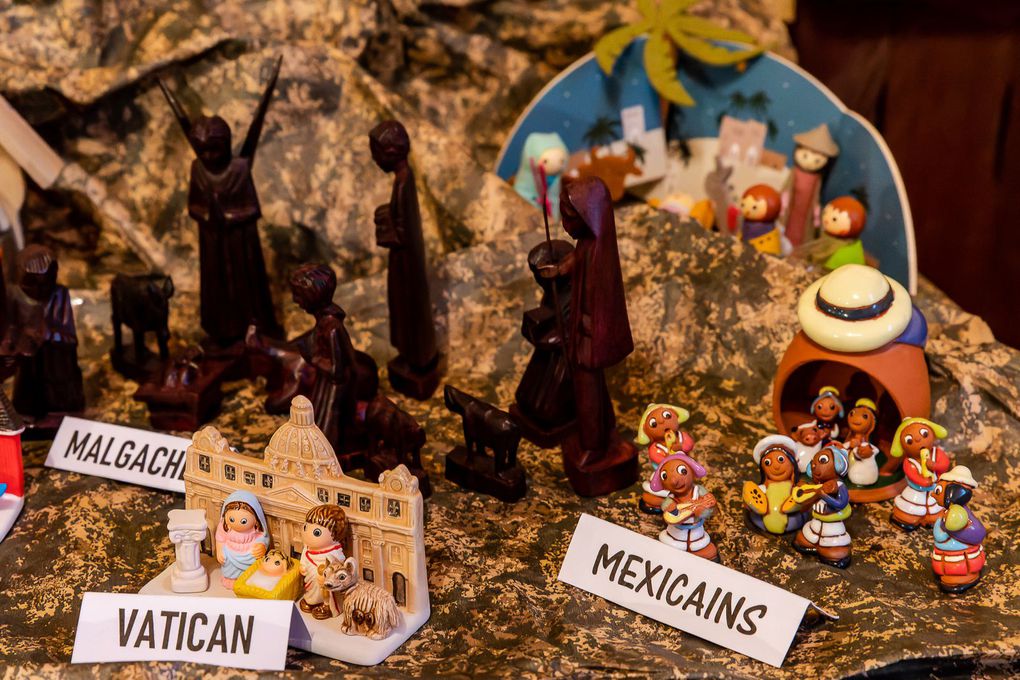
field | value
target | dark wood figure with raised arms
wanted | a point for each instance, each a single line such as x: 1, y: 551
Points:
x: 417, y: 368
x: 545, y: 406
x: 485, y: 427
x: 596, y: 459
x: 41, y: 344
x: 223, y: 200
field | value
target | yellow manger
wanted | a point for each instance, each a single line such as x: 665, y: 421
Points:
x: 288, y: 587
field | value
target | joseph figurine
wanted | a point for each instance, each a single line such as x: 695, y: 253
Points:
x: 222, y: 200
x: 415, y: 371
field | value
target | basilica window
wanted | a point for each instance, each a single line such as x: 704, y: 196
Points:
x: 229, y: 472
x: 203, y: 463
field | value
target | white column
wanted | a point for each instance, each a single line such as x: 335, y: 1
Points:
x: 188, y: 529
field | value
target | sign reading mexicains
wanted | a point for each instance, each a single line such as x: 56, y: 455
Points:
x: 692, y: 594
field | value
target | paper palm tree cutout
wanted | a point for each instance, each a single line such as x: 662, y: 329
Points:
x: 669, y: 28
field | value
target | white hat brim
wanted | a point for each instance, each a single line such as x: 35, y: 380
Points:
x: 774, y: 440
x: 854, y: 336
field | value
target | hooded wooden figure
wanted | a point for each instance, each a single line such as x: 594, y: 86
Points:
x: 398, y: 228
x: 596, y: 460
x: 222, y: 200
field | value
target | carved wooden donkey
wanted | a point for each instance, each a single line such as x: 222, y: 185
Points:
x: 485, y: 427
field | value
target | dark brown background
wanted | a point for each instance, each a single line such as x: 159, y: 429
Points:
x: 941, y: 81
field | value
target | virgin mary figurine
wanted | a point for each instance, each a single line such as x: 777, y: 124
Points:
x: 242, y: 535
x: 597, y: 461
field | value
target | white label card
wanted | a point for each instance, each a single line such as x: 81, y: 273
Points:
x: 692, y: 594
x: 232, y: 632
x: 126, y: 454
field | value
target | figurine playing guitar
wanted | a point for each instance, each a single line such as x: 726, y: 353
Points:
x: 824, y: 535
x: 686, y: 507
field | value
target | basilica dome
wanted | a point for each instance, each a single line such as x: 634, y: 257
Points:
x: 300, y: 448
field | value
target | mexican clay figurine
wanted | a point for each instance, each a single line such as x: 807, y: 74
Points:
x: 812, y: 156
x: 660, y: 432
x: 41, y: 341
x: 775, y: 457
x: 861, y: 335
x: 809, y: 438
x: 760, y: 206
x: 958, y: 557
x: 596, y: 459
x: 242, y: 536
x: 686, y: 507
x: 924, y: 462
x: 223, y: 201
x: 544, y: 406
x: 416, y: 369
x: 827, y: 408
x: 485, y: 427
x: 824, y: 535
x: 863, y: 454
x: 322, y: 538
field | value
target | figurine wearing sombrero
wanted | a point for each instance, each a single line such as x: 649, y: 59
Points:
x: 812, y: 155
x: 825, y: 535
x: 660, y: 432
x: 922, y: 465
x: 857, y: 323
x: 686, y: 507
x: 958, y: 557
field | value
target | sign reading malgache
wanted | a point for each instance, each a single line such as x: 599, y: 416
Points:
x: 695, y: 595
x: 123, y: 453
x: 234, y: 632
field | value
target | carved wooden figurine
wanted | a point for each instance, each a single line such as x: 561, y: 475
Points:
x: 485, y: 427
x: 328, y: 350
x: 958, y: 556
x: 686, y: 507
x: 223, y: 201
x: 923, y: 462
x: 775, y: 456
x: 142, y: 303
x: 545, y: 407
x: 660, y: 432
x: 824, y: 534
x: 416, y: 369
x: 394, y: 438
x: 42, y: 344
x: 187, y: 391
x: 596, y: 459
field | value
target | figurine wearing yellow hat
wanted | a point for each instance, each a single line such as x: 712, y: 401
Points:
x: 923, y: 462
x: 861, y: 422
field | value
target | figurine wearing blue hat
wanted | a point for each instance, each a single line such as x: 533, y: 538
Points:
x: 824, y: 535
x: 242, y: 535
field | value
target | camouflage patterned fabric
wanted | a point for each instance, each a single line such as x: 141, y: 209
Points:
x: 710, y: 317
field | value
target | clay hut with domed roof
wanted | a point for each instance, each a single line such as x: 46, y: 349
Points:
x: 298, y: 471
